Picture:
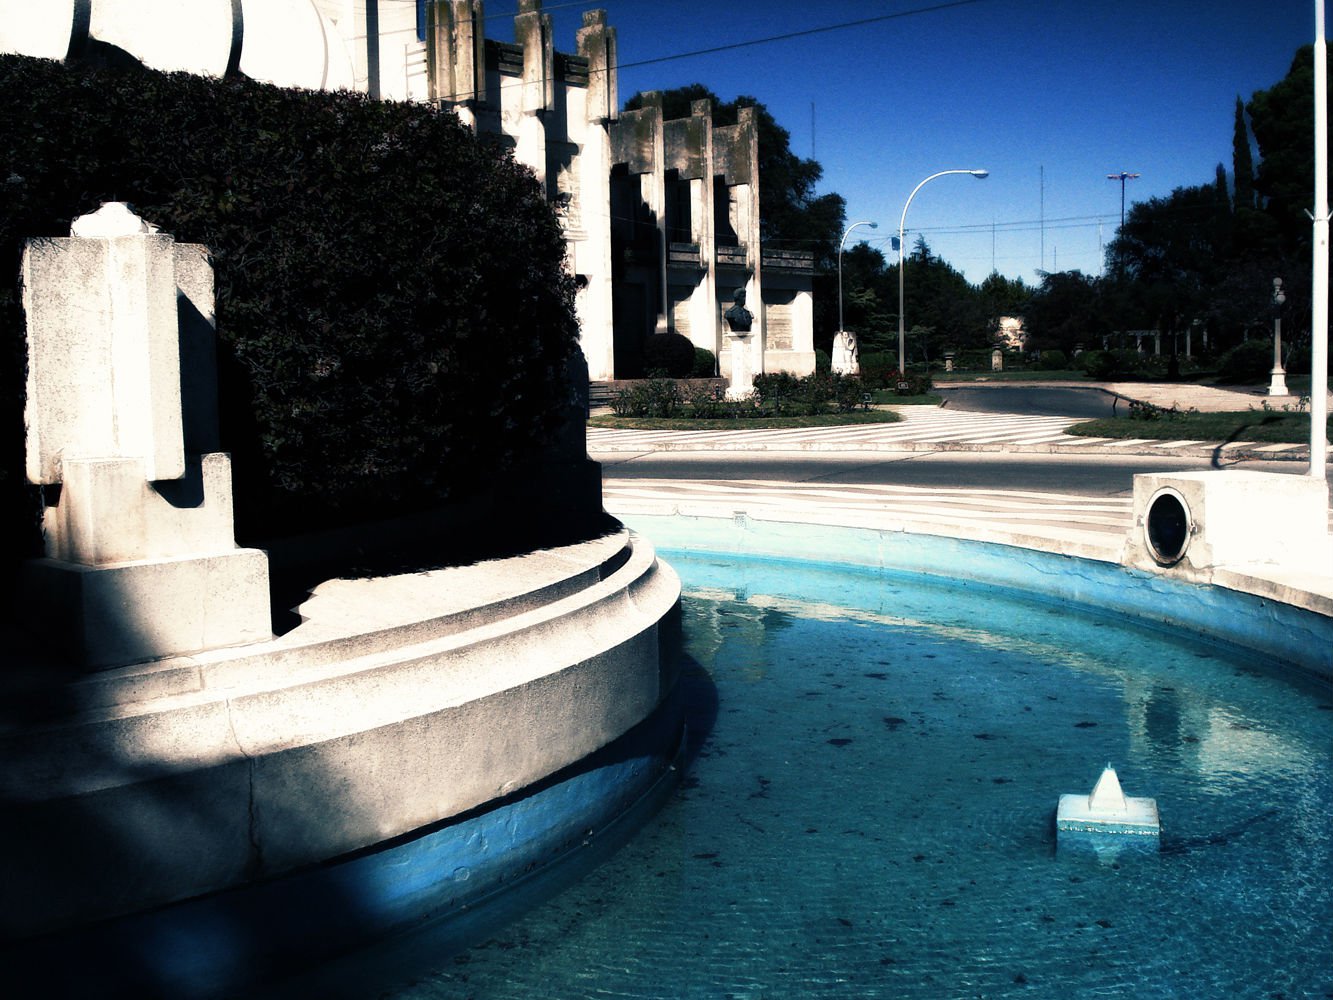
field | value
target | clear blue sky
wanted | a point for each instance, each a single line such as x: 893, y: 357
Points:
x: 1072, y: 89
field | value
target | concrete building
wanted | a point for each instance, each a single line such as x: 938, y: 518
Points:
x: 661, y: 217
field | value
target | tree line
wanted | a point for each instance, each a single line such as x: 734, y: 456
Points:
x: 1202, y: 258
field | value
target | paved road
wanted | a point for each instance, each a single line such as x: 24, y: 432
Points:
x: 1089, y: 476
x: 1086, y: 404
x: 933, y: 429
x: 972, y: 468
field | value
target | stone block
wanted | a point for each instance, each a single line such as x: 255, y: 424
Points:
x: 1200, y: 520
x: 104, y: 616
x: 109, y: 513
x: 103, y: 352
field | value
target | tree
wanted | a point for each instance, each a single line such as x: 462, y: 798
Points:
x: 1282, y: 119
x: 1001, y: 296
x: 1066, y: 310
x: 1242, y: 162
x: 940, y: 300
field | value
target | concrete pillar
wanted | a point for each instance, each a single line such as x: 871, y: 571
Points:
x: 104, y: 354
x: 141, y: 560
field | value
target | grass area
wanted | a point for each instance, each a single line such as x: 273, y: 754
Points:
x: 1264, y: 426
x: 745, y: 423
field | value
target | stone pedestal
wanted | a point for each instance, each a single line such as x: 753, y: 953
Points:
x: 742, y: 373
x: 141, y: 560
x: 1277, y: 384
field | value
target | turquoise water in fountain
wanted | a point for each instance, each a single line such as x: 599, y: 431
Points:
x: 869, y: 811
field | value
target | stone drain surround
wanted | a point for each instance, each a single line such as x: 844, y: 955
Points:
x: 397, y: 704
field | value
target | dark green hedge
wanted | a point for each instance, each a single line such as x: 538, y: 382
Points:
x: 394, y: 315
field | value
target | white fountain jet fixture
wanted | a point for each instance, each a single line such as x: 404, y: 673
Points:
x: 1107, y: 811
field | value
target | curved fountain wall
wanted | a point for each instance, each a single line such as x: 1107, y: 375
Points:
x: 416, y: 743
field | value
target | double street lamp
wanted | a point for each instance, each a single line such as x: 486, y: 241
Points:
x: 902, y: 224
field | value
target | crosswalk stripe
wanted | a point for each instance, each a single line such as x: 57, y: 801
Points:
x: 920, y: 427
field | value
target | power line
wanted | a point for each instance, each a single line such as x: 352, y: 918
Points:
x: 800, y: 34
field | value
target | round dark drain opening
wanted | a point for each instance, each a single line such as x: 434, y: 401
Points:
x: 1167, y: 527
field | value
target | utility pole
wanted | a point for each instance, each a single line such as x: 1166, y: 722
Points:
x: 1123, y: 176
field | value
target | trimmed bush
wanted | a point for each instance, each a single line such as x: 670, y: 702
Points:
x: 705, y: 363
x: 394, y: 314
x: 1248, y: 361
x: 668, y: 355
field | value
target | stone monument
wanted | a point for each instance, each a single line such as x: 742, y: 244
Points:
x: 739, y: 320
x: 846, y: 355
x: 141, y: 559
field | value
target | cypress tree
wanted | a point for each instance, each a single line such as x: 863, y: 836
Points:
x: 1241, y: 160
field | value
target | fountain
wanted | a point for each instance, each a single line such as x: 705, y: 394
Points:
x: 1106, y: 813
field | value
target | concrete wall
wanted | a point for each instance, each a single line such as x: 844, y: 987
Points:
x: 151, y: 784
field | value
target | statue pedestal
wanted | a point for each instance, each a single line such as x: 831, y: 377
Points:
x: 1277, y: 385
x: 742, y: 372
x: 138, y: 570
x: 141, y: 552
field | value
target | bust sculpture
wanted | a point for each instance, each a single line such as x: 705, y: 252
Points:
x: 738, y: 317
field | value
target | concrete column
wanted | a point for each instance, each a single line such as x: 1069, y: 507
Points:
x: 597, y: 44
x: 104, y: 354
x: 141, y: 560
x: 705, y: 329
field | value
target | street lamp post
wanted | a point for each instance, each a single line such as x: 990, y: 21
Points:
x: 902, y: 223
x: 841, y: 244
x: 1277, y: 386
x: 1123, y: 176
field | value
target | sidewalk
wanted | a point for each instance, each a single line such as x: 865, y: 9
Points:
x: 1181, y: 395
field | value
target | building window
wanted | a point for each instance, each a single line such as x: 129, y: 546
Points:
x: 421, y: 20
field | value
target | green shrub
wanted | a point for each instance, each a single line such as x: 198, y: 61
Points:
x: 669, y: 355
x: 1051, y: 361
x: 823, y: 362
x: 911, y: 384
x: 708, y: 402
x: 777, y: 391
x: 1249, y: 361
x: 650, y: 398
x: 847, y: 392
x: 705, y: 363
x: 973, y: 361
x: 1119, y: 363
x: 394, y: 314
x: 1088, y: 361
x: 878, y: 369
